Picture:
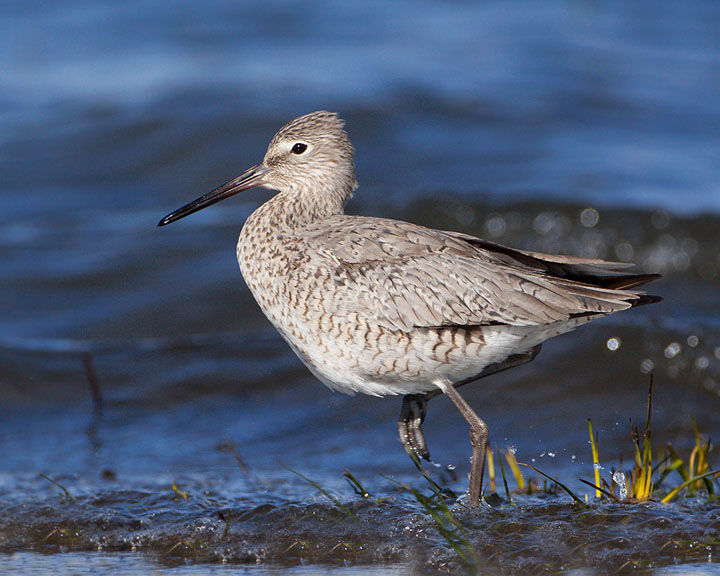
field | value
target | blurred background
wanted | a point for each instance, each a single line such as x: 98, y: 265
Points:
x: 581, y: 127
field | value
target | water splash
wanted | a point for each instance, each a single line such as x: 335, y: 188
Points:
x: 619, y: 479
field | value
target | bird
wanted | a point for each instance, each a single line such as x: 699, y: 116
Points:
x: 386, y: 307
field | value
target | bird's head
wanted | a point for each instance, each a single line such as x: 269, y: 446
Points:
x: 310, y: 155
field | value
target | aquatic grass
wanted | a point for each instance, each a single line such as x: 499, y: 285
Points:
x: 358, y: 487
x: 65, y: 532
x: 435, y: 504
x: 711, y: 474
x: 698, y: 464
x: 641, y: 474
x: 643, y: 480
x: 557, y: 482
x: 69, y: 497
x: 527, y: 486
x: 696, y: 474
x: 229, y: 446
x: 339, y: 505
x: 182, y: 493
x: 225, y: 519
x: 605, y: 490
x: 429, y: 479
x: 595, y: 458
x: 517, y: 473
x: 93, y: 383
x: 447, y: 525
x: 502, y: 471
x: 490, y: 458
x: 641, y: 483
x: 355, y: 484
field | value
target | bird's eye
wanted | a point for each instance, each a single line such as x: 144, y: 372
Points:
x: 299, y: 148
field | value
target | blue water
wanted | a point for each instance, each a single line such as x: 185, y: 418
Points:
x: 504, y: 120
x: 575, y: 100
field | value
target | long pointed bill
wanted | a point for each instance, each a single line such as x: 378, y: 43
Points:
x: 248, y: 179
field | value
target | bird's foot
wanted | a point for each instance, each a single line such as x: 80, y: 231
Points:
x: 412, y: 415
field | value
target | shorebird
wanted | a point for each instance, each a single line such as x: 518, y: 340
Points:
x: 385, y: 307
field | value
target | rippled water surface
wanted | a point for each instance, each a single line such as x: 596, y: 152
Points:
x: 575, y: 127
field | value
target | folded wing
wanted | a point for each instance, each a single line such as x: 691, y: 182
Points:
x: 405, y: 276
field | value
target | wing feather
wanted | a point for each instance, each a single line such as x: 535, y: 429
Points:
x: 405, y: 276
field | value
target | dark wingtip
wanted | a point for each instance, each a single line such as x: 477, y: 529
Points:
x: 646, y: 299
x: 625, y: 282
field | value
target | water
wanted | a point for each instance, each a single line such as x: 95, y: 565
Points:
x: 581, y: 128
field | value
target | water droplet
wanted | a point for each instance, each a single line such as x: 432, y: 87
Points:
x: 543, y: 223
x: 672, y: 350
x: 512, y: 449
x: 496, y: 225
x: 613, y: 343
x: 572, y: 458
x: 693, y: 340
x: 619, y: 479
x: 589, y: 217
x: 597, y: 466
x: 551, y: 454
x: 542, y: 454
x: 451, y: 467
x: 647, y: 366
x: 702, y: 362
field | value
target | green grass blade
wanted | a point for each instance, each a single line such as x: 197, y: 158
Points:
x: 327, y: 495
x: 65, y: 490
x: 687, y: 483
x: 596, y: 459
x: 606, y: 492
x: 502, y: 471
x: 570, y: 492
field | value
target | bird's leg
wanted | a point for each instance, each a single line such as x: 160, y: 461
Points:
x: 478, y: 440
x: 412, y: 415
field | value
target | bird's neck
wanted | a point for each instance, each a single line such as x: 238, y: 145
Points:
x: 298, y: 208
x: 264, y: 240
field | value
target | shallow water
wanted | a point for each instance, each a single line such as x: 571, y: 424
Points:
x: 585, y: 129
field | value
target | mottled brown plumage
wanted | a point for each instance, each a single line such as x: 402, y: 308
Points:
x: 384, y: 307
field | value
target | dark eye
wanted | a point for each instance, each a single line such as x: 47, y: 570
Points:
x: 299, y: 148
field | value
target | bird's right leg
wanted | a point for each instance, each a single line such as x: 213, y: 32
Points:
x: 478, y: 441
x: 412, y: 415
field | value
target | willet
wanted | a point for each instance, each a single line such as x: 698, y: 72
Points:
x: 385, y: 307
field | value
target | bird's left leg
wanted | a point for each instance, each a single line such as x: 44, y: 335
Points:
x: 412, y: 415
x: 478, y: 440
